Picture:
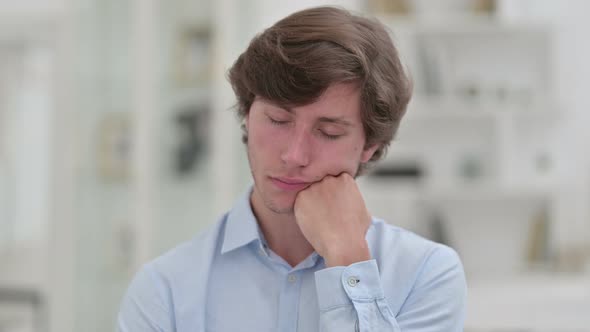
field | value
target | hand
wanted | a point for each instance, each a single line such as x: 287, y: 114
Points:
x: 332, y: 216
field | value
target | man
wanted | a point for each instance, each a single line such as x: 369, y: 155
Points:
x: 321, y: 94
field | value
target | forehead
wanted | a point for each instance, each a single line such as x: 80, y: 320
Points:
x: 339, y: 100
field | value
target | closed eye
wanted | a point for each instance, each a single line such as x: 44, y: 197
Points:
x: 277, y: 122
x: 329, y: 136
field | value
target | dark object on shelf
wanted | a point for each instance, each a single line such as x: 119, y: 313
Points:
x: 30, y: 297
x: 470, y: 167
x: 398, y: 171
x: 192, y: 124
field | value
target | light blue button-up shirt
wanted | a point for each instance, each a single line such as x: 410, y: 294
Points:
x: 227, y: 280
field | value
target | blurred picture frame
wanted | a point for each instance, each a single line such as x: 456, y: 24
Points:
x: 192, y: 58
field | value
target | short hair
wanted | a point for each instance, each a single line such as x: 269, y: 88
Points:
x: 294, y: 61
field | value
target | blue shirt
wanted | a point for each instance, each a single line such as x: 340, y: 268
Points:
x: 227, y: 279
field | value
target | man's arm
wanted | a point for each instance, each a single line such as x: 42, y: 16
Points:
x: 351, y: 298
x: 145, y: 306
x: 437, y: 300
x: 332, y: 216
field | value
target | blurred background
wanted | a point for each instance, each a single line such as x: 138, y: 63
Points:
x: 118, y: 141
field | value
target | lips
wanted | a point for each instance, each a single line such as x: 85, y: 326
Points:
x: 289, y: 184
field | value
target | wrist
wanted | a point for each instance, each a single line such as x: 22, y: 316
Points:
x: 348, y: 255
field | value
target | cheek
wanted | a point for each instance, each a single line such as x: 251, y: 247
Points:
x: 263, y: 139
x: 340, y: 157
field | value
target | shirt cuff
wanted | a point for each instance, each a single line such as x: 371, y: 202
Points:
x: 358, y: 282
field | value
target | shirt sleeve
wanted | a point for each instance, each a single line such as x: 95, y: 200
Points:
x: 437, y: 300
x: 145, y: 307
x: 352, y: 299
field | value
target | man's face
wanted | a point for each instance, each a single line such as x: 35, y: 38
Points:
x: 289, y: 149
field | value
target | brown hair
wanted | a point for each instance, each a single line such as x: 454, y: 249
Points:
x: 294, y: 61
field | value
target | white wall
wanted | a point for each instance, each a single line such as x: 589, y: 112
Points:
x: 572, y: 75
x: 31, y: 7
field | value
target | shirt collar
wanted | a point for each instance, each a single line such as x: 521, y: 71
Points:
x: 241, y: 227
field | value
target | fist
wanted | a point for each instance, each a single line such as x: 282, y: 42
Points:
x: 333, y: 218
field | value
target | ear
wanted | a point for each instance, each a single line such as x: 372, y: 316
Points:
x: 368, y: 153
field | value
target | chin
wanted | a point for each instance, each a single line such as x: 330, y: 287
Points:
x: 280, y: 204
x: 284, y: 210
x: 274, y: 200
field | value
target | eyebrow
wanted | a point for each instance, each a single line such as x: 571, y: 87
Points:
x: 336, y: 120
x: 326, y: 119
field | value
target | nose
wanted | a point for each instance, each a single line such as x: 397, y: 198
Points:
x: 297, y: 151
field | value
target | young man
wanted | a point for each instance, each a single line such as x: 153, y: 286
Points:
x: 321, y: 94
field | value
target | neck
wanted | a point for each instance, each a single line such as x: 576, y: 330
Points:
x: 282, y: 233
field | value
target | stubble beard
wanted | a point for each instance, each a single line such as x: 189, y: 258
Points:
x: 267, y: 201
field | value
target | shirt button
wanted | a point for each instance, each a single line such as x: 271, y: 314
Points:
x: 353, y: 281
x: 292, y: 278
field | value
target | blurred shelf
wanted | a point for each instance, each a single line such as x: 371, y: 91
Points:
x: 440, y: 108
x: 467, y: 193
x: 541, y: 302
x: 22, y: 29
x: 16, y: 302
x: 458, y: 25
x: 181, y: 97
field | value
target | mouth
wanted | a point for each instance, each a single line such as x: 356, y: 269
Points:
x: 289, y: 184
